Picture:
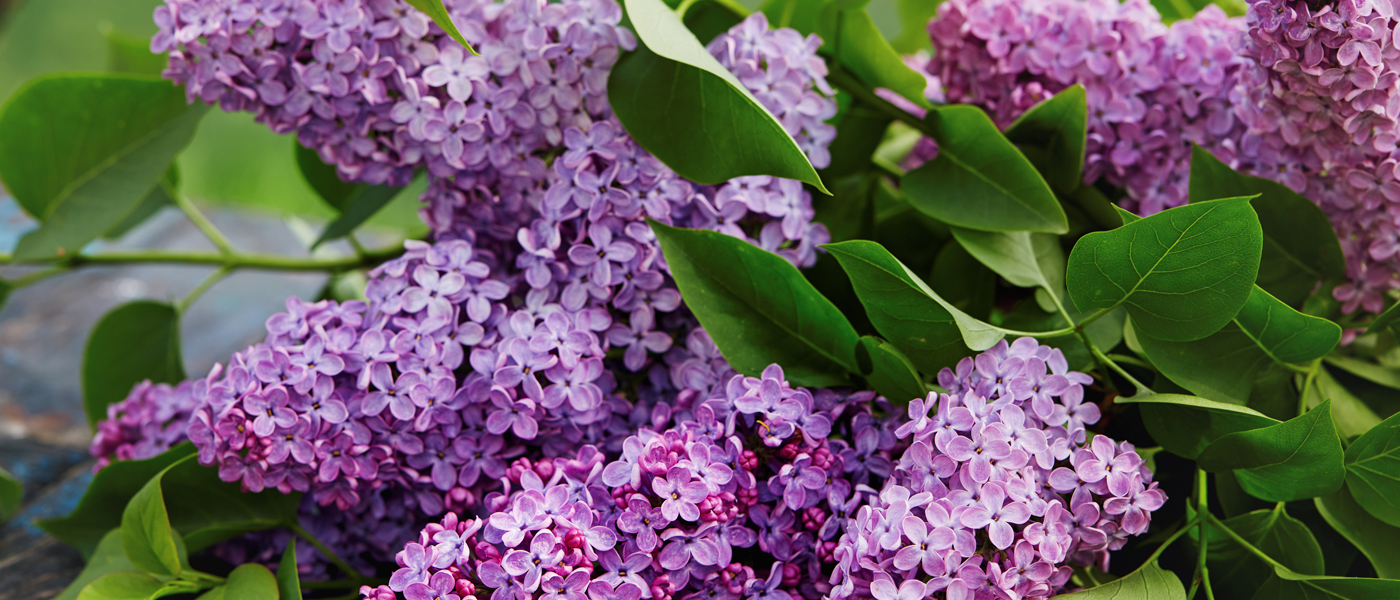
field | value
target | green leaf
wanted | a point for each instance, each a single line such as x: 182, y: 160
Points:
x: 1352, y: 415
x: 1300, y: 246
x: 1373, y: 470
x: 1183, y: 273
x: 1224, y: 365
x: 1378, y: 541
x: 758, y: 307
x: 1386, y: 319
x: 121, y: 585
x: 1293, y: 586
x: 681, y: 105
x: 1285, y: 539
x: 860, y: 129
x: 853, y: 41
x: 965, y: 283
x: 797, y: 14
x: 11, y: 493
x: 81, y: 152
x: 128, y: 53
x: 888, y: 371
x: 1298, y: 459
x: 1148, y: 582
x: 1176, y: 10
x: 109, y: 557
x: 160, y: 196
x: 251, y: 581
x: 288, y: 579
x: 146, y: 534
x: 207, y: 510
x: 355, y: 202
x: 1025, y: 259
x: 708, y: 19
x: 214, y: 593
x: 1186, y: 425
x: 132, y: 343
x: 100, y: 508
x: 906, y: 312
x: 1369, y: 371
x: 435, y: 10
x: 1052, y: 135
x: 980, y: 180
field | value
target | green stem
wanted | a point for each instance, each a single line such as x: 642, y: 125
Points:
x: 1308, y: 382
x: 1119, y: 370
x: 204, y: 225
x: 738, y: 9
x: 1202, y: 507
x: 1096, y: 316
x: 204, y: 286
x: 788, y: 8
x: 1244, y: 543
x: 892, y: 171
x: 334, y: 558
x: 680, y: 10
x: 355, y: 244
x: 1131, y: 360
x: 1180, y: 532
x: 269, y: 262
x: 34, y: 277
x: 839, y: 77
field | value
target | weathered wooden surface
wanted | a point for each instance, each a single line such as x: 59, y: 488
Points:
x: 43, y: 330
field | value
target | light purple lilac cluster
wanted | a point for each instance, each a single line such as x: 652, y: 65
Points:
x: 996, y: 492
x: 740, y: 474
x: 1324, y: 119
x: 1152, y: 89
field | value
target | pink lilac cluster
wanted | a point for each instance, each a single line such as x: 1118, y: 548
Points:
x: 996, y: 492
x: 1152, y: 89
x: 1324, y: 118
x: 151, y: 419
x: 738, y: 490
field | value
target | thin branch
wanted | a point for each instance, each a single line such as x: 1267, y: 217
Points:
x: 204, y: 225
x: 204, y: 286
x: 333, y: 557
x: 270, y: 262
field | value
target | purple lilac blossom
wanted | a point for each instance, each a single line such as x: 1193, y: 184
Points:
x: 987, y: 499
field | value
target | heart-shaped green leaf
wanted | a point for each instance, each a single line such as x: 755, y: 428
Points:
x: 132, y: 343
x: 1183, y: 273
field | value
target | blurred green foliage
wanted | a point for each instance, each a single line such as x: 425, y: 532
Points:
x: 232, y: 160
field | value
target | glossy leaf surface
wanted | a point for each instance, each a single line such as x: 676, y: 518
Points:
x: 1378, y: 542
x: 1052, y: 135
x: 1298, y: 459
x: 758, y: 308
x: 726, y: 132
x: 1186, y: 425
x: 1373, y: 471
x: 1183, y: 273
x: 979, y: 179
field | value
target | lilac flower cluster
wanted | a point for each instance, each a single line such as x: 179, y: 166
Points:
x: 1324, y: 119
x: 744, y: 472
x: 997, y: 492
x: 379, y: 90
x: 1152, y: 90
x: 151, y: 419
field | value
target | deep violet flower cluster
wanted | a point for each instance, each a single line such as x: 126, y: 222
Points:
x: 151, y: 419
x: 698, y: 504
x: 1152, y: 90
x: 994, y: 491
x: 1323, y: 113
x: 997, y: 492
